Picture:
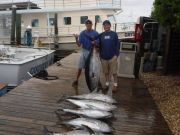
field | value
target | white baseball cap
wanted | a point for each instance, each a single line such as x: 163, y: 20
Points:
x: 28, y: 27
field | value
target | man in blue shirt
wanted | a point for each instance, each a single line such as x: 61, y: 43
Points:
x: 109, y: 51
x: 83, y: 41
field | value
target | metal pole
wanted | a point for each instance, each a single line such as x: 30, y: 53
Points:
x: 44, y: 3
x: 49, y: 35
x: 47, y: 17
x: 115, y: 27
x: 56, y: 38
x: 18, y: 29
x: 28, y: 5
x: 95, y: 25
x: 56, y: 24
x: 63, y: 4
x: 13, y: 25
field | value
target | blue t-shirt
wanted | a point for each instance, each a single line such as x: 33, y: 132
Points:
x: 84, y: 38
x: 109, y: 45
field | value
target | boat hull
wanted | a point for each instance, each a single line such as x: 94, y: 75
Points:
x: 15, y: 72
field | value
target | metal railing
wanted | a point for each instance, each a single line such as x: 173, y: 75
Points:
x: 69, y: 30
x: 64, y: 4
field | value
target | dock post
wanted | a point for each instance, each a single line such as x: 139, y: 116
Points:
x: 56, y: 38
x: 115, y: 29
x: 13, y: 25
x: 18, y: 29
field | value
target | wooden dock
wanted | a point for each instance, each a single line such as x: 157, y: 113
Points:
x: 30, y: 106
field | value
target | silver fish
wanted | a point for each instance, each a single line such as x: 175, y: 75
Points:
x: 91, y: 113
x: 95, y: 125
x: 75, y: 132
x: 93, y: 104
x: 95, y: 96
x: 93, y: 70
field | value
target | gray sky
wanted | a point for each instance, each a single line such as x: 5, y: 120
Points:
x: 132, y: 9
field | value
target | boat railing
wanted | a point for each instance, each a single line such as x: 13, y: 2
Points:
x: 66, y: 31
x: 64, y: 4
x: 69, y: 30
x: 6, y: 52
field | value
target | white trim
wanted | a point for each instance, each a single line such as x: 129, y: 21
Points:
x: 57, y: 10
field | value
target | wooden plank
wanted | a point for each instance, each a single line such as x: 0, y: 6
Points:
x: 26, y: 120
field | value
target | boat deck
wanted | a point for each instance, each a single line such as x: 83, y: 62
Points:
x: 30, y: 106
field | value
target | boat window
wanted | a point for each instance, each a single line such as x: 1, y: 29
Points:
x: 98, y: 19
x: 35, y: 23
x: 51, y: 21
x: 111, y: 18
x: 83, y: 19
x: 67, y: 20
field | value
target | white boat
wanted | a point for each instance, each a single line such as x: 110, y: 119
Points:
x: 20, y: 64
x: 40, y: 14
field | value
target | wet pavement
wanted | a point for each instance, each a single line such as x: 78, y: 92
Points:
x: 137, y: 113
x: 30, y: 106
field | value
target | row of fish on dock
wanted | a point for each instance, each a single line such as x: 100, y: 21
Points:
x: 93, y: 110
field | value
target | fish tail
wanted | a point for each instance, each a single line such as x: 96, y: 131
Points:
x: 46, y: 131
x: 57, y: 112
x: 62, y: 98
x: 91, y: 132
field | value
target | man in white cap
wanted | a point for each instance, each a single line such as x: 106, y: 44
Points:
x: 28, y: 35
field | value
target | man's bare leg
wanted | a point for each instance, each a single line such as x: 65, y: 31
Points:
x: 115, y: 83
x: 75, y: 83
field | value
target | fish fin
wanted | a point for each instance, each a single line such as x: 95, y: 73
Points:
x: 81, y: 116
x: 88, y: 129
x: 77, y: 128
x: 46, y: 131
x: 91, y: 107
x: 109, y: 123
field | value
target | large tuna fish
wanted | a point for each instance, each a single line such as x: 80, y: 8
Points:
x: 95, y: 125
x: 93, y: 104
x: 92, y: 70
x: 95, y: 96
x: 91, y: 113
x: 75, y: 132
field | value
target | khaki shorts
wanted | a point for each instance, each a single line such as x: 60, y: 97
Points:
x: 110, y: 66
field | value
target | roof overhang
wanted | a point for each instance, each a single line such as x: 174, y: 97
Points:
x: 29, y: 11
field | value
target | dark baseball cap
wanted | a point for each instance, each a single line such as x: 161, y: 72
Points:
x: 88, y: 21
x: 106, y: 22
